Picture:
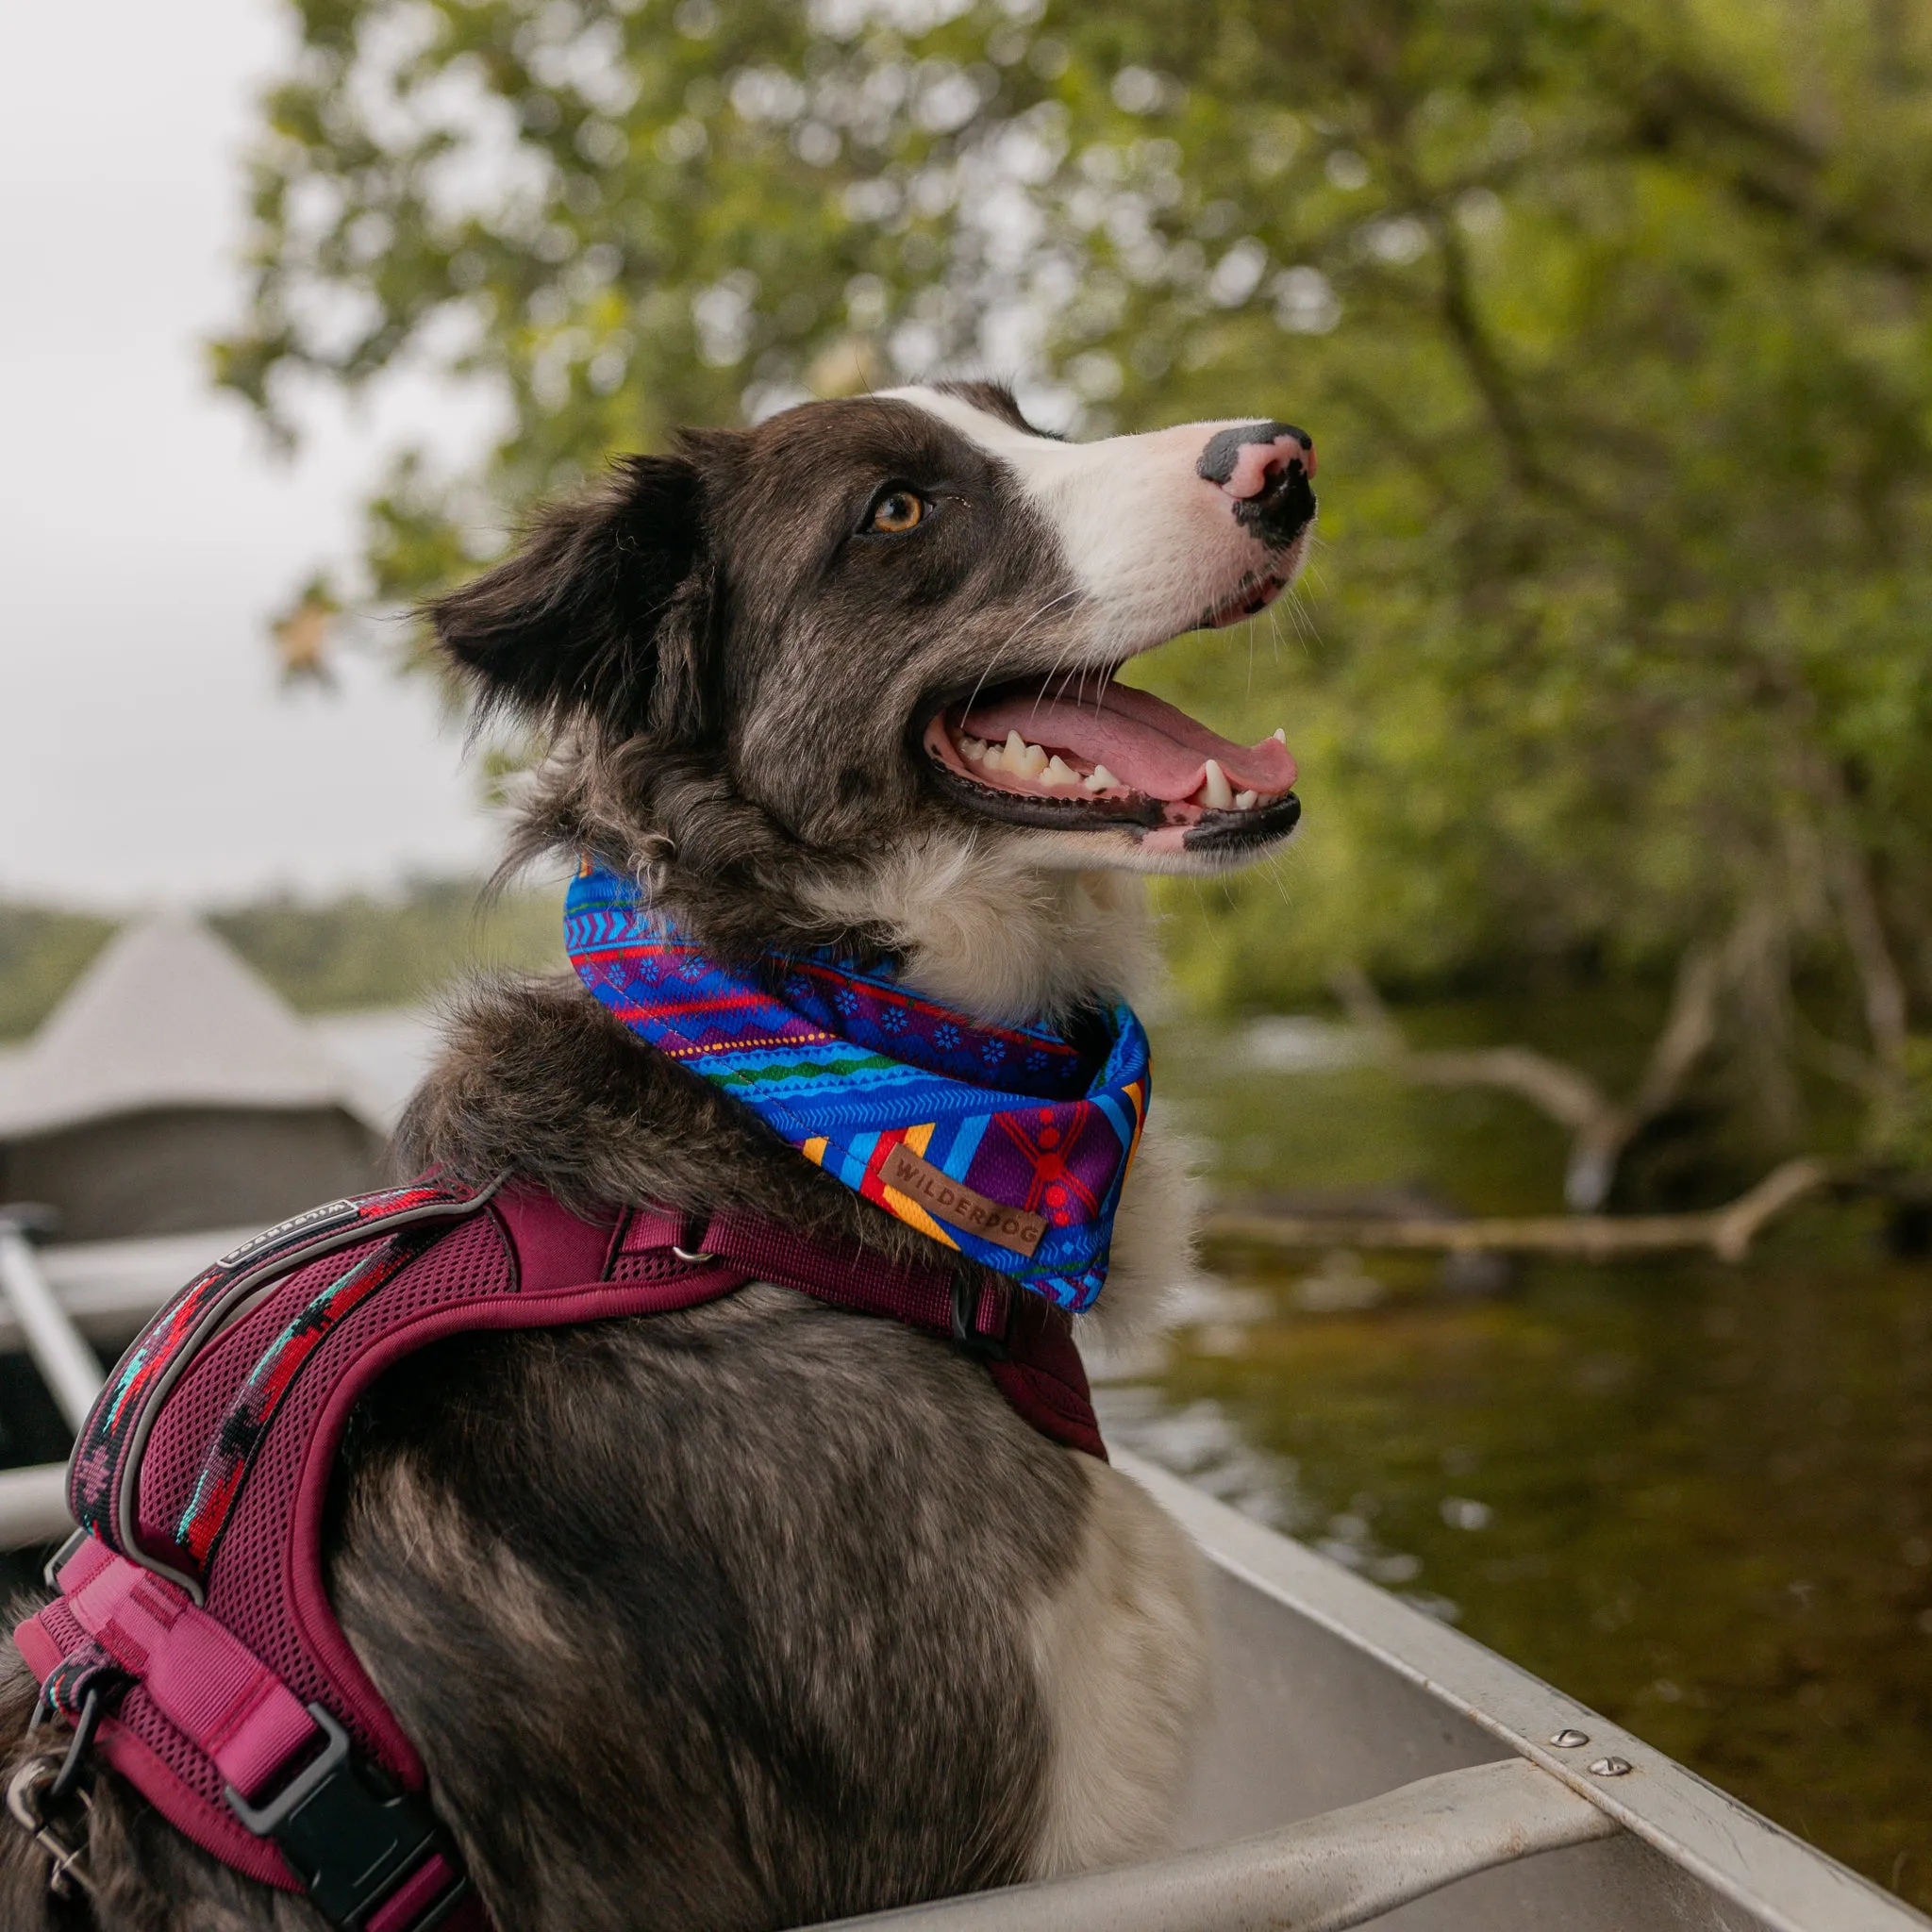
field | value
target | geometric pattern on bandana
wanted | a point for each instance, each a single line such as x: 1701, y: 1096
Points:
x: 848, y: 1065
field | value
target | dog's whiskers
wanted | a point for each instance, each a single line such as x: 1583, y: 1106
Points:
x: 1059, y: 657
x: 1012, y: 638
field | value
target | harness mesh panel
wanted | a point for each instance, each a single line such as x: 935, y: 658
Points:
x: 252, y: 1598
x: 178, y: 1448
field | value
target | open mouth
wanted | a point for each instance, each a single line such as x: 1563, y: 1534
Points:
x: 1064, y: 754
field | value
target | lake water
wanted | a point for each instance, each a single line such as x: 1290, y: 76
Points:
x: 1698, y: 1496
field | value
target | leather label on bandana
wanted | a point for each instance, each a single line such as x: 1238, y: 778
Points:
x: 946, y: 1199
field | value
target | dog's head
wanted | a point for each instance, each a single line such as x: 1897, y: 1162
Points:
x: 787, y: 657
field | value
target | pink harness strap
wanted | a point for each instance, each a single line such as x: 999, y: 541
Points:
x: 206, y: 1683
x: 193, y: 1604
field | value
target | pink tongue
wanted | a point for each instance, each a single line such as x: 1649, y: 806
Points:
x: 1145, y: 743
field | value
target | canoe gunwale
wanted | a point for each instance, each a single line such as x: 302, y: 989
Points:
x: 1701, y: 1829
x: 1326, y: 1873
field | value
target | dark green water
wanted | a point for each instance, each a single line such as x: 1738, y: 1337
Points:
x: 1699, y: 1497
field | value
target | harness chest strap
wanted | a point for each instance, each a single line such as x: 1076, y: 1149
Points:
x: 205, y: 1682
x: 298, y: 1776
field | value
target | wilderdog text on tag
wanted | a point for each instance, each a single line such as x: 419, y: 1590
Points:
x: 946, y: 1199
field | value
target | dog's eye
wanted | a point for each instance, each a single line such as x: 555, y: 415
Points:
x: 896, y: 511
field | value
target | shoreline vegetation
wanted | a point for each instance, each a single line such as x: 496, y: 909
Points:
x: 1609, y: 674
x: 334, y: 955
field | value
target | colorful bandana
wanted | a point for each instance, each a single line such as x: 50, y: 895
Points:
x: 1006, y: 1142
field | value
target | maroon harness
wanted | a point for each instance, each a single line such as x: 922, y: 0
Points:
x: 193, y: 1644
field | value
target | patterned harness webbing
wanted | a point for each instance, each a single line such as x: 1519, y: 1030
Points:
x: 193, y: 1631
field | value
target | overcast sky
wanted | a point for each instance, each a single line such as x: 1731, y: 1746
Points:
x: 146, y: 536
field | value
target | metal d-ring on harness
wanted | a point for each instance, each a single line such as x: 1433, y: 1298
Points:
x: 67, y: 1779
x: 964, y: 1306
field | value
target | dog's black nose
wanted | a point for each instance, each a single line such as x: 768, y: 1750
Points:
x: 1267, y: 468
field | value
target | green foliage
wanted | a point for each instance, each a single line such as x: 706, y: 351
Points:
x: 42, y: 952
x: 1905, y: 1127
x: 319, y: 955
x: 364, y: 950
x: 1610, y: 319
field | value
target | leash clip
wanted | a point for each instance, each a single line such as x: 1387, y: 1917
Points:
x: 27, y: 1804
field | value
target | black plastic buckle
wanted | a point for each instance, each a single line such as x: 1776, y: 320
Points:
x: 966, y: 1331
x: 350, y: 1845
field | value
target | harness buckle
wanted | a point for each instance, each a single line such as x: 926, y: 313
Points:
x: 354, y: 1848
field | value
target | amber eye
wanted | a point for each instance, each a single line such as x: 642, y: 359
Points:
x: 896, y: 511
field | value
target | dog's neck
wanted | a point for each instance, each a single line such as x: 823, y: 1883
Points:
x: 536, y: 1078
x: 998, y: 941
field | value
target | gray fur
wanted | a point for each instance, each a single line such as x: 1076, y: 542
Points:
x: 747, y: 1645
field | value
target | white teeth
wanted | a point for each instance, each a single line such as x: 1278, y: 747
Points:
x: 1028, y: 761
x: 1034, y: 763
x: 1280, y: 736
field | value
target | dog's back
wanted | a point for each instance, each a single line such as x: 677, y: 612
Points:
x: 758, y: 1587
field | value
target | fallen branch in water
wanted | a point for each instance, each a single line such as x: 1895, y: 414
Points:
x: 1600, y: 1127
x: 1727, y: 1231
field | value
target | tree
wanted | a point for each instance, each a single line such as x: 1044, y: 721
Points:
x: 1611, y: 318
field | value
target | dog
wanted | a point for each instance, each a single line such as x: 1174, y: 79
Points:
x: 763, y: 1614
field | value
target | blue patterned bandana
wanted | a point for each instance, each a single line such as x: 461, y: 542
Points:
x: 1009, y: 1144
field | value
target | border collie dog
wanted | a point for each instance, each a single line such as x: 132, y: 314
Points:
x: 762, y: 1612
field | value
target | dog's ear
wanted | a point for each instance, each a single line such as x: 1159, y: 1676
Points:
x: 579, y: 619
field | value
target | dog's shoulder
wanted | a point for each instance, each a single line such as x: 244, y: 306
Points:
x: 536, y: 1079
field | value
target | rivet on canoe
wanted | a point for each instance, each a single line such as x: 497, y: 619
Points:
x: 1570, y: 1740
x: 1608, y: 1767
